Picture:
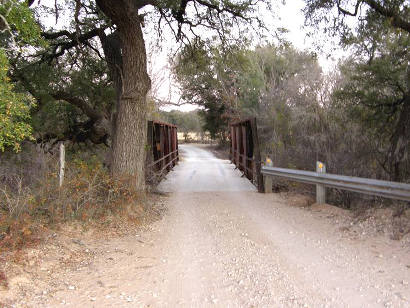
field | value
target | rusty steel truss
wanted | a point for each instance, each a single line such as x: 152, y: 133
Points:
x: 162, y: 150
x: 245, y: 151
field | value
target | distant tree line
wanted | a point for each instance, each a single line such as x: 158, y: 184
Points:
x: 187, y: 122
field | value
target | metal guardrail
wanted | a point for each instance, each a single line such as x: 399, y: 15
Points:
x: 387, y: 189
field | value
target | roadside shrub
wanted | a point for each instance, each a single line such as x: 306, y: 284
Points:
x: 88, y: 193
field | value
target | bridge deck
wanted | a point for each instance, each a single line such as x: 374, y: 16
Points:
x: 199, y: 170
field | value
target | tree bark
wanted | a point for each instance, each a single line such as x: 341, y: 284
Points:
x: 399, y: 150
x: 128, y: 159
x: 111, y: 45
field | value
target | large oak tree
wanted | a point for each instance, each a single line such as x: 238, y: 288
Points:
x: 130, y: 135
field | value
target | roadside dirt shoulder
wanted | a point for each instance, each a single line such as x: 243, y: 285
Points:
x: 32, y: 275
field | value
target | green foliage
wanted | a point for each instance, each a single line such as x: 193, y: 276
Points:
x: 83, y: 76
x: 19, y: 23
x: 14, y: 111
x: 350, y: 18
x: 18, y: 29
x: 211, y: 78
x: 376, y: 93
x: 230, y: 83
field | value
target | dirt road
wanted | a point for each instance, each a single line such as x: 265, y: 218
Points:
x: 221, y: 244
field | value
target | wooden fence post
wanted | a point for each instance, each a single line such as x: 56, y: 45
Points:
x: 62, y: 164
x: 320, y: 189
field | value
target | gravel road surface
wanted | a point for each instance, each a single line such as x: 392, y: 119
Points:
x: 221, y: 244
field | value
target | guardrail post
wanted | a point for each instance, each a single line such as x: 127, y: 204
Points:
x: 320, y: 189
x: 267, y: 180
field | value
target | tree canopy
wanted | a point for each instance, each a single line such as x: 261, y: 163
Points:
x: 88, y: 82
x: 89, y: 79
x: 18, y: 30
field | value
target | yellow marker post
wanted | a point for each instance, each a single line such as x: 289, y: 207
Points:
x: 268, y: 179
x: 320, y: 189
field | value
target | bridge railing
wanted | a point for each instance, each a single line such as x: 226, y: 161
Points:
x: 387, y: 189
x: 162, y: 150
x: 165, y: 162
x: 244, y: 150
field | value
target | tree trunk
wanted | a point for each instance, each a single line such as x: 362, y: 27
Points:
x: 111, y: 45
x: 128, y: 159
x: 399, y: 149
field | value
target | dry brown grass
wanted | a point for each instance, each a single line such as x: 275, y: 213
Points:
x: 89, y: 195
x: 3, y: 279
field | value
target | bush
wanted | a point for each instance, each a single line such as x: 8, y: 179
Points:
x: 88, y: 193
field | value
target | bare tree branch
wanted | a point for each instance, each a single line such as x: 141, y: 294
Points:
x: 92, y: 113
x: 346, y: 12
x: 396, y: 20
x: 59, y: 48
